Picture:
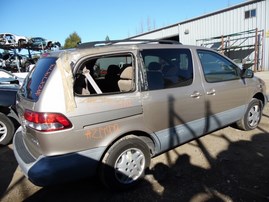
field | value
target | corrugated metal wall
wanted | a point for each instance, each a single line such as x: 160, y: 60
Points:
x: 266, y: 36
x: 224, y: 22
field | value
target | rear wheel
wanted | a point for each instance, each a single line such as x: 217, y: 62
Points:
x: 252, y: 116
x: 6, y: 129
x: 125, y: 163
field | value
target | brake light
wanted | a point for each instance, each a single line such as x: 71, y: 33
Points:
x: 46, y: 122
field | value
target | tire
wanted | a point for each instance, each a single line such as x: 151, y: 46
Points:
x: 124, y: 164
x: 252, y: 117
x: 6, y: 129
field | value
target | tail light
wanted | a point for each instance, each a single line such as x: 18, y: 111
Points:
x: 46, y: 122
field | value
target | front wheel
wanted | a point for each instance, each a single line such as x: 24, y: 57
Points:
x: 125, y: 163
x: 6, y: 129
x: 252, y: 116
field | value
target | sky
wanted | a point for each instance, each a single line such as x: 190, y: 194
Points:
x: 94, y: 20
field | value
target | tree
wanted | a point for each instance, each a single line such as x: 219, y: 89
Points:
x: 72, y: 41
x: 150, y: 25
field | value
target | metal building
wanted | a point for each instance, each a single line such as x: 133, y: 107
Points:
x: 241, y: 32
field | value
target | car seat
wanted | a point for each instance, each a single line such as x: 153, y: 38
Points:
x: 112, y: 77
x: 126, y: 80
x: 155, y: 76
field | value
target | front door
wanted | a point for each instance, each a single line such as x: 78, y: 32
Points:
x: 225, y: 90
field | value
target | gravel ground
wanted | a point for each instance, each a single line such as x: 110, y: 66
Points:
x: 226, y: 165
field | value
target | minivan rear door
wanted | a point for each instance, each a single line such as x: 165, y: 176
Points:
x: 173, y: 99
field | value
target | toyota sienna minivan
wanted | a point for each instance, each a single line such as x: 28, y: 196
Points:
x: 107, y: 108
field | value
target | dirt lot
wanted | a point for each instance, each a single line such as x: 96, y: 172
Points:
x: 227, y: 165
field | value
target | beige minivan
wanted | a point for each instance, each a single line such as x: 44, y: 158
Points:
x: 107, y: 108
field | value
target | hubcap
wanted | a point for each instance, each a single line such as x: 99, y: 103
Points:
x: 130, y: 165
x: 254, y: 116
x: 3, y: 131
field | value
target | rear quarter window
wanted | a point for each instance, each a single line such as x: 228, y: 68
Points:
x: 37, y: 78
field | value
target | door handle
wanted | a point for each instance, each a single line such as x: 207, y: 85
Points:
x: 211, y: 92
x: 195, y: 94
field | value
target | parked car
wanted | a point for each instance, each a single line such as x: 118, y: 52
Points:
x: 39, y: 43
x: 14, y: 63
x: 8, y: 41
x: 156, y: 95
x: 9, y: 85
x: 17, y: 63
x: 7, y: 77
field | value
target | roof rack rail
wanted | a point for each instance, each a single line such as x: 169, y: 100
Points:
x: 125, y: 41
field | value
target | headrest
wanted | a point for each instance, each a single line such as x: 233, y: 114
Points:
x: 127, y: 73
x: 113, y: 69
x: 154, y: 66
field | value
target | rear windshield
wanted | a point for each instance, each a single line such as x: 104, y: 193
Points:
x: 37, y: 78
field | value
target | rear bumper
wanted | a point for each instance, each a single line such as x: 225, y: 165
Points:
x: 49, y: 170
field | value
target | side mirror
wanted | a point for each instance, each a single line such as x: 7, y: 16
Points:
x: 247, y: 73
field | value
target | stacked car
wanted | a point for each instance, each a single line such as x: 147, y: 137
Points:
x: 39, y: 43
x: 10, y: 41
x: 10, y: 61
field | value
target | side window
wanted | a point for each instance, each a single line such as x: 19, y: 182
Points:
x: 216, y: 68
x: 105, y: 74
x: 167, y: 68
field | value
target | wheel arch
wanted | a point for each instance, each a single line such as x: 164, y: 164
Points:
x: 148, y: 139
x: 260, y: 97
x: 11, y: 114
x: 8, y: 124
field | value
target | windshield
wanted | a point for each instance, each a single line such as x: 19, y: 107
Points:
x: 37, y: 78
